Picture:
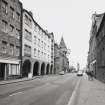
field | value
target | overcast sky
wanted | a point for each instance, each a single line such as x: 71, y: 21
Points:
x: 70, y: 18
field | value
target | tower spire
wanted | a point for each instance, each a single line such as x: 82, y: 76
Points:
x: 62, y: 43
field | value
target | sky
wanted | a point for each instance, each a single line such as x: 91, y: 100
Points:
x: 70, y: 19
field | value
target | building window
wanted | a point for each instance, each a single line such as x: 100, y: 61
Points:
x: 26, y: 18
x: 44, y: 36
x: 42, y: 54
x: 17, y: 50
x: 42, y: 44
x: 4, y: 26
x: 28, y: 21
x: 14, y: 69
x: 4, y: 47
x: 28, y: 35
x: 35, y: 27
x: 34, y: 39
x: 17, y: 16
x: 11, y: 12
x: 11, y: 49
x: 39, y: 53
x: 4, y: 7
x: 17, y: 33
x: 38, y: 42
x: 52, y: 40
x: 27, y: 50
x: 48, y: 47
x: 11, y: 29
x: 35, y: 52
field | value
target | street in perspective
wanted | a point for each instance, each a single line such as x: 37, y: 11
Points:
x: 52, y: 52
x: 48, y: 90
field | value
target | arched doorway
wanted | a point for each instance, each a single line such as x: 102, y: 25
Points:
x: 42, y: 68
x: 36, y: 69
x: 26, y: 68
x: 47, y: 69
x: 51, y: 69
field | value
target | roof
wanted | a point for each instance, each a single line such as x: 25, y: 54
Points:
x: 98, y: 19
x: 102, y: 18
x: 45, y: 31
x: 62, y: 43
x: 96, y: 22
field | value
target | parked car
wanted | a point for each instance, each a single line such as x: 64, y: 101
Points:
x: 79, y: 73
x: 61, y: 73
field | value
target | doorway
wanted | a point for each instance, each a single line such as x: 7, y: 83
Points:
x: 2, y: 71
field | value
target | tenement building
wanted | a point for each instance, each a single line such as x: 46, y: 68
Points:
x: 61, y: 62
x: 10, y: 38
x: 100, y: 40
x: 52, y: 53
x: 36, y: 47
x: 96, y: 20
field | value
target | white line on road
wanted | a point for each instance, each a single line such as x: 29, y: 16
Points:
x: 72, y: 98
x: 16, y: 93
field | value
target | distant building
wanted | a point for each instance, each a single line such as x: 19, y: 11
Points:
x: 10, y: 38
x: 78, y: 66
x: 61, y: 62
x: 37, y: 47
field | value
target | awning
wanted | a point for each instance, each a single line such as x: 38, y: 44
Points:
x: 9, y: 61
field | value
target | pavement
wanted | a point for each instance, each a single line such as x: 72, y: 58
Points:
x: 89, y: 92
x: 4, y: 82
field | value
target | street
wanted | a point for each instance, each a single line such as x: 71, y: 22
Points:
x: 46, y: 90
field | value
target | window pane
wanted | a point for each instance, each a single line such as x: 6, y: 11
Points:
x: 4, y: 26
x: 11, y: 49
x: 4, y: 47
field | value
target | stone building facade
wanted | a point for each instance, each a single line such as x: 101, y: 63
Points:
x: 61, y: 62
x: 10, y: 38
x: 52, y: 52
x: 36, y: 47
x: 96, y: 55
x: 100, y: 40
x: 96, y: 20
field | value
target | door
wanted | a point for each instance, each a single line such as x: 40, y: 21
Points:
x: 2, y: 71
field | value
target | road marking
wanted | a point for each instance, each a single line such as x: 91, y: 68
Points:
x: 62, y: 98
x: 72, y: 98
x: 15, y: 94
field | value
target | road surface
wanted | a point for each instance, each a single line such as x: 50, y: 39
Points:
x: 46, y: 90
